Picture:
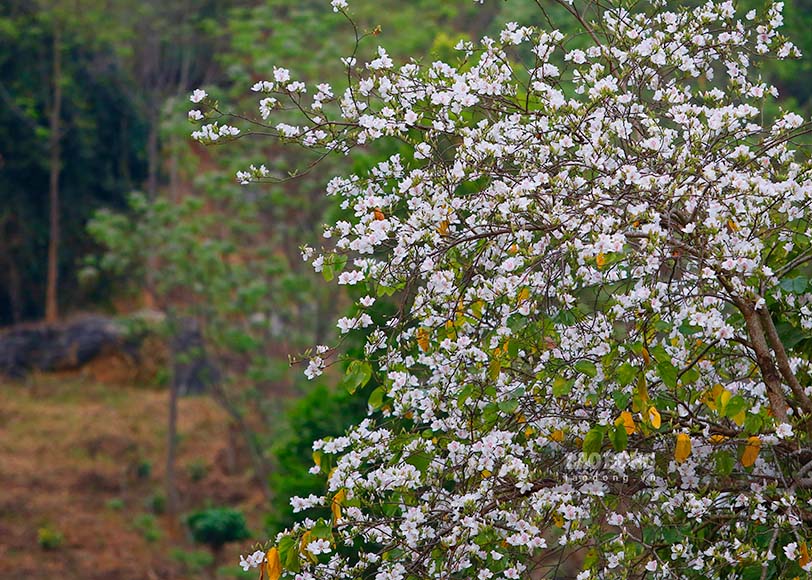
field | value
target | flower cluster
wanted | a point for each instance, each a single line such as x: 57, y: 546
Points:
x: 601, y: 248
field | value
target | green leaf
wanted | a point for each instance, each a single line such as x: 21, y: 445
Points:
x: 420, y: 461
x: 621, y: 399
x: 690, y: 376
x: 508, y: 406
x: 736, y: 405
x: 619, y: 438
x: 561, y: 386
x: 668, y: 373
x: 328, y: 272
x: 659, y: 353
x: 494, y: 368
x: 593, y: 440
x: 289, y: 554
x: 794, y: 285
x: 376, y: 398
x: 725, y: 463
x: 322, y: 530
x: 626, y: 374
x: 586, y: 367
x: 357, y: 375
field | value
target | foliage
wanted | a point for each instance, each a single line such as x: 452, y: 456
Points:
x: 599, y: 247
x: 147, y: 525
x: 217, y: 526
x: 50, y: 538
x: 193, y: 561
x: 101, y: 145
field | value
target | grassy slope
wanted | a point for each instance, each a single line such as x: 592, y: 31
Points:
x: 86, y: 460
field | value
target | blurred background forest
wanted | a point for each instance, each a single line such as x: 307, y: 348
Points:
x: 150, y: 420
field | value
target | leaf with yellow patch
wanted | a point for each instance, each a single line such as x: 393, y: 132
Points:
x: 335, y: 505
x: 683, y: 449
x: 423, y: 339
x: 273, y: 565
x: 803, y: 560
x: 307, y: 537
x: 627, y: 421
x: 524, y: 295
x: 654, y: 417
x: 751, y: 451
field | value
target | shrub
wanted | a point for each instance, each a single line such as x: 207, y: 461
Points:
x: 217, y: 526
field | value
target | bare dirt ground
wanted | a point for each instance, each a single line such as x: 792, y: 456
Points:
x: 81, y: 482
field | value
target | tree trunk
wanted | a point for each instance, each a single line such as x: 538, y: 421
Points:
x: 152, y: 152
x: 51, y: 292
x: 172, y: 499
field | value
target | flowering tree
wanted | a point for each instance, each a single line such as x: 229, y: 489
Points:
x: 599, y: 245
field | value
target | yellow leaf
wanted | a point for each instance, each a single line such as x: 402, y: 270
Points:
x: 723, y: 399
x: 557, y: 435
x: 307, y: 537
x: 627, y: 421
x: 654, y: 417
x: 717, y: 439
x: 486, y: 474
x: 335, y: 505
x: 273, y: 566
x: 683, y: 448
x: 378, y: 214
x: 751, y: 451
x: 558, y: 520
x: 732, y: 225
x: 646, y: 356
x: 423, y: 339
x: 529, y: 431
x: 740, y: 417
x: 804, y: 559
x: 709, y: 397
x: 642, y: 390
x: 600, y: 260
x: 514, y: 249
x: 443, y: 228
x: 524, y: 294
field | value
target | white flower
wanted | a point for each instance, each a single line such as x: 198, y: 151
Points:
x: 791, y: 550
x: 783, y: 431
x: 195, y: 115
x: 338, y: 5
x: 252, y: 561
x: 198, y: 95
x: 319, y: 546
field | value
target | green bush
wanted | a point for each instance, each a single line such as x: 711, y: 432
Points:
x: 148, y: 526
x: 49, y: 538
x: 193, y: 561
x: 217, y: 526
x: 156, y: 503
x: 197, y: 469
x: 116, y: 504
